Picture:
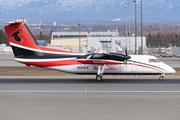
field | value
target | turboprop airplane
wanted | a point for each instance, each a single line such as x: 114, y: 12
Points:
x: 27, y: 51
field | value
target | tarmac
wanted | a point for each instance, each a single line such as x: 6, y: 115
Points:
x: 58, y: 98
x: 79, y: 87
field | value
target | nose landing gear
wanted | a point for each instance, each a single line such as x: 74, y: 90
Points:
x: 162, y: 77
x: 100, y: 72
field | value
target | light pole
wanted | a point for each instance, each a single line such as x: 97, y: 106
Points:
x: 3, y: 34
x: 129, y: 28
x: 141, y: 31
x: 79, y: 34
x: 126, y: 26
x: 135, y: 29
x: 158, y: 36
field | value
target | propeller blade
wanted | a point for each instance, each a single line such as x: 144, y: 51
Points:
x: 126, y: 63
x: 126, y: 57
x: 126, y: 52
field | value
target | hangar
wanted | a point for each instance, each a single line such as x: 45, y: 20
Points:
x: 96, y: 40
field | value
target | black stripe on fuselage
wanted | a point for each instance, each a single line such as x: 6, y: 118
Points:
x: 120, y: 73
x: 29, y: 54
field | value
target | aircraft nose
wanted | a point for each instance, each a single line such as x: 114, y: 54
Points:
x: 170, y: 70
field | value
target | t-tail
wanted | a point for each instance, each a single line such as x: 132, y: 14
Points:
x: 21, y: 39
x: 26, y: 49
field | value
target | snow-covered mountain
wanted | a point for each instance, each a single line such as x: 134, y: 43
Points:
x: 87, y: 9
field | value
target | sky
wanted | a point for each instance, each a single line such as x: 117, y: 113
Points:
x: 162, y: 11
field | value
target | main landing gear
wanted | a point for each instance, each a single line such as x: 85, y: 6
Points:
x: 98, y: 77
x: 162, y: 77
x: 100, y: 72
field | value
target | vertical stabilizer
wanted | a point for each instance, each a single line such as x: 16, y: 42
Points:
x: 20, y: 38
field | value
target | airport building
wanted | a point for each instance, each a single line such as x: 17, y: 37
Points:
x: 114, y: 44
x: 41, y: 42
x: 73, y: 38
x: 54, y: 23
x: 96, y: 41
x: 5, y: 49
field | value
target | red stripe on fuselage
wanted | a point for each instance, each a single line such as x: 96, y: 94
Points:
x: 52, y: 63
x: 144, y: 66
x: 99, y: 62
x: 74, y: 62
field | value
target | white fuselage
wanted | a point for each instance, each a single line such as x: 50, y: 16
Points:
x: 138, y: 64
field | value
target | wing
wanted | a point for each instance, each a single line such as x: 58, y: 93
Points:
x: 103, y: 58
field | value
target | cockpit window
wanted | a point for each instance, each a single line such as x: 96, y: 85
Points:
x: 157, y: 60
x: 154, y: 60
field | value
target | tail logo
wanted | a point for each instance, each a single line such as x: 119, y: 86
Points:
x: 16, y: 36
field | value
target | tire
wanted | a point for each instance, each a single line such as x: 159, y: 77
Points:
x: 161, y: 78
x: 98, y: 77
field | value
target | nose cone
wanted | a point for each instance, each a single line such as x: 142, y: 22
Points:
x: 169, y: 70
x: 172, y: 71
x: 127, y: 57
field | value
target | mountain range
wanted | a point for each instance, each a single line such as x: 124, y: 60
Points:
x: 153, y: 10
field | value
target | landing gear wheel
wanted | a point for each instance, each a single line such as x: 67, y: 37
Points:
x: 98, y: 77
x: 161, y: 78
